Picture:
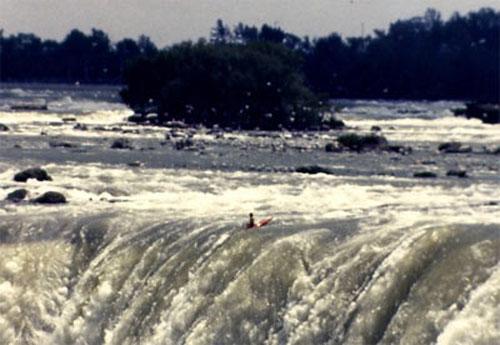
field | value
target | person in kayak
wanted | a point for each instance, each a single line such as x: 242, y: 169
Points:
x: 251, y: 222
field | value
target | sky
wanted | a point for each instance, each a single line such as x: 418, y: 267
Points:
x: 171, y: 21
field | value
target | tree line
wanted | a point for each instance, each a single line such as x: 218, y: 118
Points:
x: 79, y: 57
x: 423, y: 57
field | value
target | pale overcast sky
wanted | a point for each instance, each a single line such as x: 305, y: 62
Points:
x: 169, y: 21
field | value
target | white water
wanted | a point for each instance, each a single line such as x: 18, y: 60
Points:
x: 159, y: 256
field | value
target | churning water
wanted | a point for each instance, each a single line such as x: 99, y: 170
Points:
x: 157, y: 254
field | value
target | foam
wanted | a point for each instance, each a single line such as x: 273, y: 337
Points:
x: 479, y: 322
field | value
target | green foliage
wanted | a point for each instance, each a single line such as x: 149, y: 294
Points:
x: 253, y: 85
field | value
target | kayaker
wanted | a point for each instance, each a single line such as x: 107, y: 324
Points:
x: 251, y: 222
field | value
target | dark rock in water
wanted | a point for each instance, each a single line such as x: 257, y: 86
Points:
x: 313, y: 169
x: 359, y: 143
x: 183, y: 144
x: 404, y: 150
x: 333, y: 123
x: 454, y: 147
x: 376, y: 129
x: 331, y: 147
x: 80, y: 127
x: 36, y: 173
x: 61, y: 144
x: 3, y: 128
x: 457, y: 173
x: 50, y: 198
x: 486, y: 112
x: 122, y: 144
x: 69, y: 119
x: 136, y: 118
x: 425, y: 174
x: 17, y: 195
x: 29, y: 107
x: 135, y: 164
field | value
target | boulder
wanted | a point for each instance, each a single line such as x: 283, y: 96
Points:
x: 457, y: 173
x: 360, y: 143
x: 313, y: 169
x: 80, y: 127
x: 183, y: 144
x: 332, y: 123
x: 121, y: 144
x: 404, y: 150
x: 376, y: 129
x: 3, y: 128
x: 331, y: 147
x: 50, y: 198
x: 136, y: 118
x: 17, y: 195
x: 454, y: 147
x: 135, y: 164
x: 64, y: 144
x: 36, y: 173
x: 425, y: 174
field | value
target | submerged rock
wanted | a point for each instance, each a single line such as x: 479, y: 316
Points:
x: 50, y: 198
x: 64, y: 144
x: 425, y: 174
x: 313, y: 169
x: 3, y: 128
x: 80, y: 127
x: 183, y: 144
x: 17, y: 195
x: 454, y: 147
x: 35, y: 173
x: 122, y: 144
x: 331, y: 147
x: 360, y: 143
x: 457, y: 173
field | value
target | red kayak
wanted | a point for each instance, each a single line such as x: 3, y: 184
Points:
x: 261, y: 223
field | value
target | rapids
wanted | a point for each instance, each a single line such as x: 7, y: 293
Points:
x: 158, y: 254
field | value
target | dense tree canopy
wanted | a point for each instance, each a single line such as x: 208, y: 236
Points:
x: 78, y: 58
x: 256, y: 85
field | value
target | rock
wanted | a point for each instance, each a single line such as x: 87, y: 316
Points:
x: 61, y: 144
x: 359, y: 143
x: 36, y: 173
x: 3, y: 128
x: 183, y: 144
x: 332, y: 147
x: 457, y: 173
x: 376, y: 129
x: 17, y: 195
x: 69, y: 119
x: 313, y: 169
x: 29, y: 107
x: 80, y: 127
x: 332, y: 123
x: 136, y: 118
x: 50, y: 198
x: 404, y: 150
x: 135, y: 164
x: 454, y: 147
x: 122, y: 144
x: 425, y: 174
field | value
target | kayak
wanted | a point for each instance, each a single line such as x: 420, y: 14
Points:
x: 263, y: 222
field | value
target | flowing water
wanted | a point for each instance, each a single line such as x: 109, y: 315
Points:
x: 156, y: 252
